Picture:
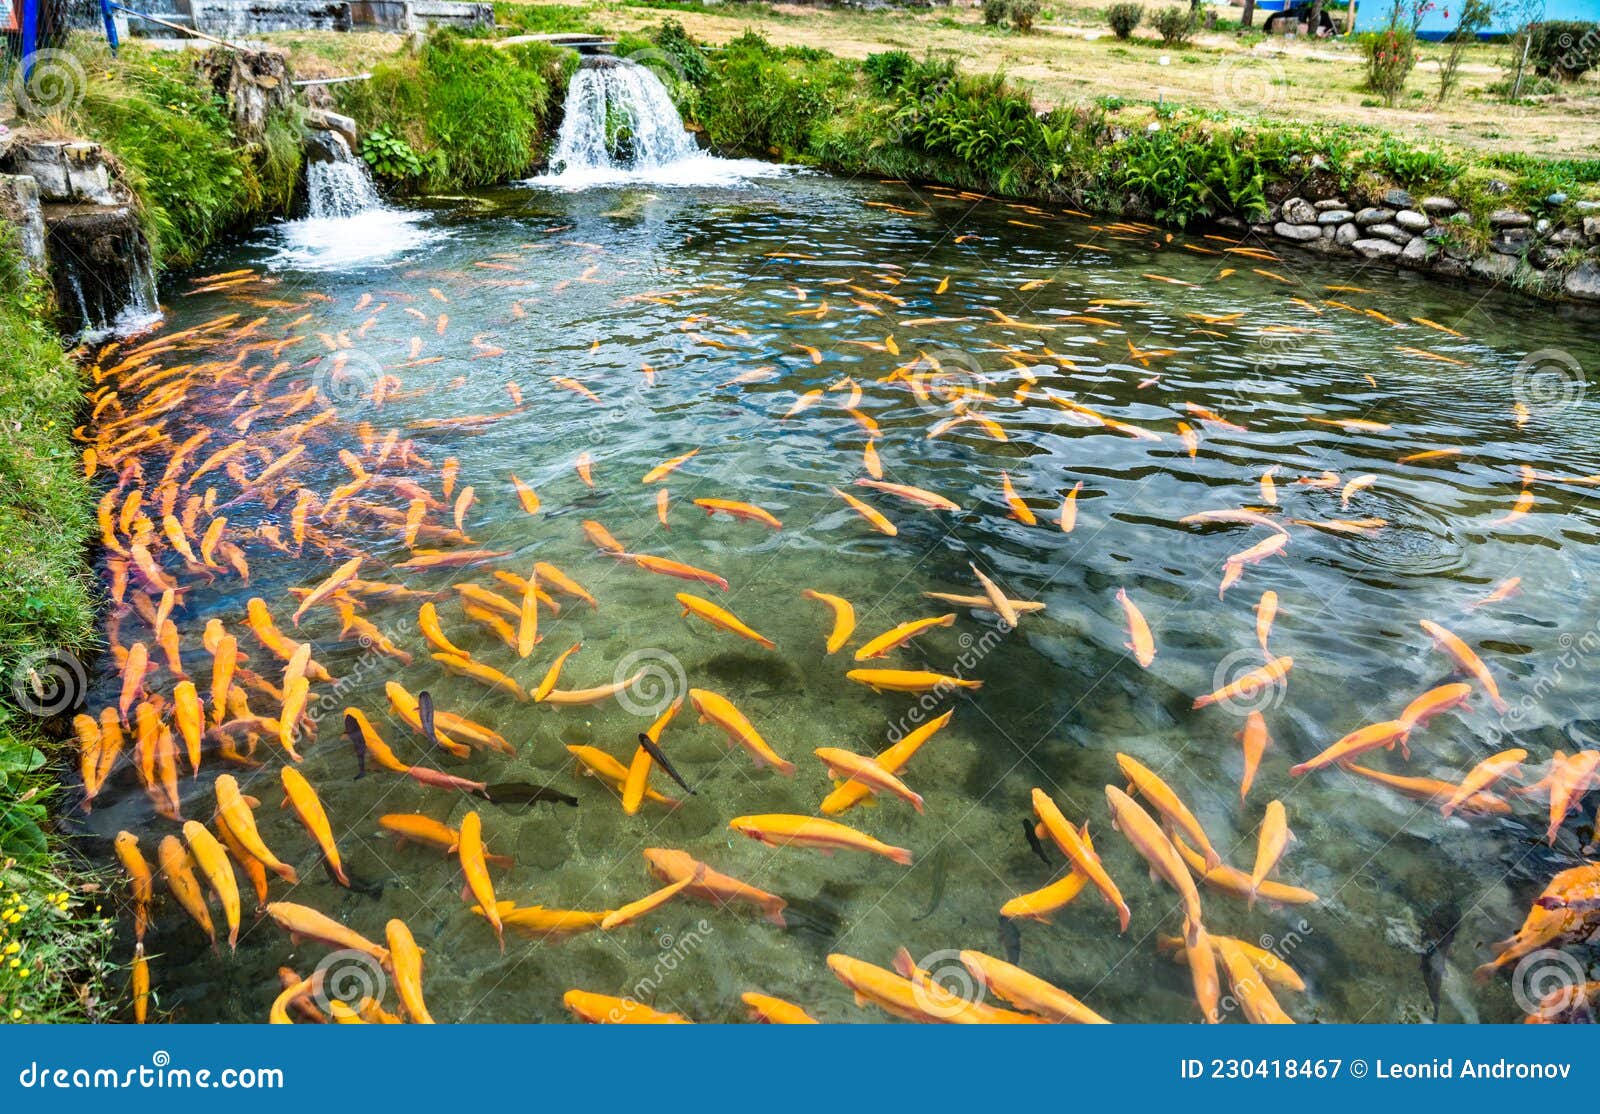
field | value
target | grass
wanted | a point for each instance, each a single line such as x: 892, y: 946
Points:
x: 1072, y: 58
x: 171, y: 141
x: 892, y: 114
x: 472, y: 114
x: 52, y: 948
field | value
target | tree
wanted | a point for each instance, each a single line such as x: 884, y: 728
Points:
x: 1248, y: 17
x: 1475, y: 16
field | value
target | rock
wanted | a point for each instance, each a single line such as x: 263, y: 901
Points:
x: 1377, y: 249
x: 1555, y: 200
x: 1390, y: 232
x: 1587, y: 206
x: 1297, y: 232
x: 1397, y: 199
x: 1541, y: 227
x: 1494, y: 268
x: 1232, y: 224
x: 19, y: 207
x: 1297, y: 210
x: 1583, y: 282
x: 1348, y: 234
x: 1448, y: 265
x: 1566, y: 237
x: 66, y: 170
x: 88, y: 174
x: 333, y: 122
x: 1497, y: 187
x: 1412, y: 221
x: 1329, y: 203
x: 43, y: 161
x: 1373, y: 215
x: 1509, y: 218
x: 99, y: 264
x: 1334, y: 216
x: 254, y: 83
x: 1511, y: 241
x: 1439, y: 206
x: 1418, y: 253
x: 1591, y: 227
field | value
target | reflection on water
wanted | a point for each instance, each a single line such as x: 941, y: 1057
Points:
x: 692, y: 315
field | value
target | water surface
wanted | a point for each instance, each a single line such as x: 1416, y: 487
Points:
x: 703, y: 286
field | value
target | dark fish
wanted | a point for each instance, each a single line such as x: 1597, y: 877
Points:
x: 1435, y: 962
x: 1033, y: 841
x: 940, y: 865
x: 425, y: 714
x: 660, y: 757
x: 525, y: 793
x: 352, y: 731
x: 1010, y: 940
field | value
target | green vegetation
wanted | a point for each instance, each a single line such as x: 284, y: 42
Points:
x: 1564, y: 49
x: 51, y: 952
x: 1124, y: 19
x: 173, y: 145
x: 455, y: 113
x: 1176, y: 26
x: 896, y: 116
x: 544, y: 19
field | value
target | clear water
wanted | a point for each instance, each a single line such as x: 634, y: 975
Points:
x: 702, y: 286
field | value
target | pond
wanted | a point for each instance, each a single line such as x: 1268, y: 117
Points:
x: 777, y: 328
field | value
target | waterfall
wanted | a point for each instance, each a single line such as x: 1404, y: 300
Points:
x: 101, y: 268
x: 347, y: 223
x: 337, y: 183
x: 620, y: 126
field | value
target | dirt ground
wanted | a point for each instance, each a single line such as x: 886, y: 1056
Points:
x: 1073, y: 55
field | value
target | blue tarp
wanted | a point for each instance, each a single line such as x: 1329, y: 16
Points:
x: 1509, y: 16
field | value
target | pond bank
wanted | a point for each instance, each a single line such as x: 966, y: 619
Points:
x: 1529, y: 225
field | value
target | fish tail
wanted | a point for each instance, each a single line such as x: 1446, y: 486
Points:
x: 287, y: 873
x: 901, y: 855
x: 916, y: 801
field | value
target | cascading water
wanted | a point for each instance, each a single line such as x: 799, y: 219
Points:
x: 337, y: 184
x: 347, y: 223
x: 100, y: 263
x: 621, y: 126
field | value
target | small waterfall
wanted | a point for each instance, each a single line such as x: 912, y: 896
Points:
x: 347, y: 223
x: 337, y: 183
x: 619, y: 117
x: 621, y: 126
x: 100, y: 265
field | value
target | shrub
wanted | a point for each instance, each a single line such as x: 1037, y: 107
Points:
x: 1564, y: 49
x: 1391, y: 55
x: 995, y: 11
x: 1475, y: 16
x: 1174, y: 25
x: 1023, y: 14
x: 471, y: 113
x: 1124, y: 18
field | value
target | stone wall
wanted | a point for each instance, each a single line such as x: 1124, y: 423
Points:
x: 1557, y: 256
